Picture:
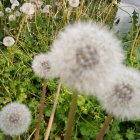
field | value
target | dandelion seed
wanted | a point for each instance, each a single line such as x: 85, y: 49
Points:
x: 15, y: 118
x: 84, y: 55
x: 41, y: 66
x: 27, y: 8
x: 7, y: 10
x: 12, y: 17
x: 1, y: 14
x: 46, y: 9
x: 8, y: 41
x: 122, y: 100
x: 74, y: 3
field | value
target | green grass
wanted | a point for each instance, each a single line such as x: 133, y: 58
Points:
x: 18, y: 82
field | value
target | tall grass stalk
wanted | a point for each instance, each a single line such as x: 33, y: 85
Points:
x: 52, y: 113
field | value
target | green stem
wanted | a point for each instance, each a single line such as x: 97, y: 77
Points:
x: 72, y: 113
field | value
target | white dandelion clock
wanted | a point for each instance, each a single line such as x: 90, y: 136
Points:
x: 8, y: 10
x: 15, y: 118
x: 41, y: 66
x: 123, y: 98
x: 14, y: 5
x: 86, y: 56
x: 12, y: 17
x: 27, y: 8
x: 74, y: 3
x: 17, y: 13
x: 8, y: 41
x: 13, y: 1
x: 46, y: 9
x: 1, y: 14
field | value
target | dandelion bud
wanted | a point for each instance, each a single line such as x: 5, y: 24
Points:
x: 123, y: 98
x: 15, y: 118
x: 8, y: 41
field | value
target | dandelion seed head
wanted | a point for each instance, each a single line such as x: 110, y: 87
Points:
x: 74, y: 3
x: 8, y: 41
x: 17, y: 13
x: 122, y: 100
x: 84, y: 55
x: 14, y: 5
x: 13, y: 1
x: 15, y: 118
x: 27, y: 8
x: 1, y: 14
x: 42, y: 66
x: 12, y: 17
x: 46, y: 9
x: 7, y: 10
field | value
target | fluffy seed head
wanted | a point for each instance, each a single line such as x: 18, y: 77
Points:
x: 13, y: 1
x: 123, y: 98
x: 14, y: 5
x: 7, y: 10
x: 27, y: 8
x: 8, y: 41
x: 1, y: 14
x: 84, y: 55
x: 46, y: 9
x: 15, y: 118
x: 17, y: 13
x: 74, y: 3
x: 41, y: 66
x: 12, y: 17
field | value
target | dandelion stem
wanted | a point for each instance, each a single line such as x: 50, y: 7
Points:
x: 105, y: 126
x: 72, y: 113
x: 52, y: 113
x: 40, y: 110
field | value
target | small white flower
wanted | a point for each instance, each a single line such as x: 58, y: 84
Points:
x: 46, y: 9
x: 1, y: 14
x: 17, y: 13
x: 7, y: 10
x: 8, y: 41
x: 27, y: 8
x: 74, y: 3
x: 15, y: 118
x: 123, y: 98
x: 86, y: 57
x: 12, y: 17
x: 41, y: 66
